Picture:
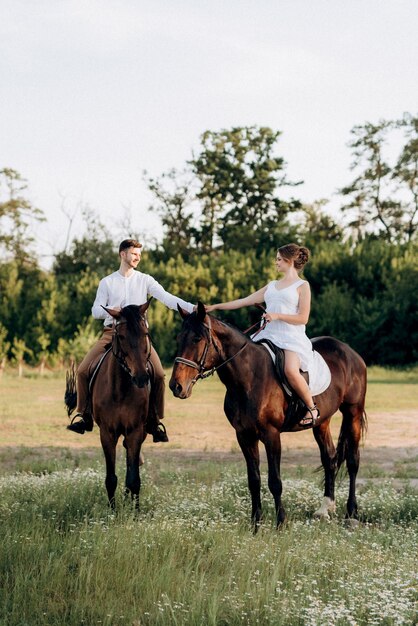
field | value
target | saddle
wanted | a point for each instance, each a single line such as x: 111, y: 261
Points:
x: 296, y: 408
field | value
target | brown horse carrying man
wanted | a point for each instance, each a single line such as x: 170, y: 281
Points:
x: 121, y: 288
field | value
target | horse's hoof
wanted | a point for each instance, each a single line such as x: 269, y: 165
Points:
x: 327, y: 507
x: 256, y: 525
x: 351, y: 522
x: 322, y: 517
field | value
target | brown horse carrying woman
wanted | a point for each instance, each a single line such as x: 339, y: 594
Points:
x: 120, y: 394
x: 255, y: 403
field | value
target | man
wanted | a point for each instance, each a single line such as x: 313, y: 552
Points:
x: 123, y: 287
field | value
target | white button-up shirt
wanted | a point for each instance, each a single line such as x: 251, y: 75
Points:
x: 116, y: 290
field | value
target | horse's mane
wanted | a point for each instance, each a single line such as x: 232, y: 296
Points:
x: 131, y: 314
x: 192, y: 322
x: 234, y: 328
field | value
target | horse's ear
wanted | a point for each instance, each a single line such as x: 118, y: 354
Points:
x: 113, y: 312
x: 201, y: 311
x: 182, y: 312
x: 145, y: 306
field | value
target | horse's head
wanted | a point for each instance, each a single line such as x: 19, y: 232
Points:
x: 131, y: 344
x: 197, y: 351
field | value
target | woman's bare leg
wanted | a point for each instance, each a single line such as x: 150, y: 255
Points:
x: 299, y: 384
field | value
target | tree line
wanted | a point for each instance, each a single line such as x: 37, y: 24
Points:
x: 223, y: 217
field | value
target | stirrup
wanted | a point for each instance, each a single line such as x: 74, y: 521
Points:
x: 160, y: 434
x: 85, y: 423
x: 310, y: 421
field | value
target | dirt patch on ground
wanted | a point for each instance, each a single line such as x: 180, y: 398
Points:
x: 390, y: 446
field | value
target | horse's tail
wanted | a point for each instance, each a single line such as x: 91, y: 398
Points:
x: 345, y: 437
x: 70, y: 396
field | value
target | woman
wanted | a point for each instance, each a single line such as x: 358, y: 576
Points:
x: 288, y: 304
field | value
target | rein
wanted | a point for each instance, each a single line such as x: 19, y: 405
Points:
x: 262, y: 327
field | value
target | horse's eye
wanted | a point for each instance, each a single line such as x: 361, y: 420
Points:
x: 196, y: 339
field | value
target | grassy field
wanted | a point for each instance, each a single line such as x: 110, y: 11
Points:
x: 189, y: 557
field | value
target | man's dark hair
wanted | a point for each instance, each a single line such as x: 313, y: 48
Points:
x: 129, y: 243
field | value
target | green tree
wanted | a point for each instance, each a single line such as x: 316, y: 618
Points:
x: 317, y: 227
x: 17, y: 214
x: 96, y: 251
x: 405, y: 175
x: 4, y: 348
x: 19, y: 350
x: 382, y: 199
x: 28, y: 302
x: 44, y: 342
x: 332, y: 312
x: 365, y: 294
x: 173, y: 197
x: 76, y: 296
x: 11, y: 286
x: 84, y: 338
x: 239, y: 176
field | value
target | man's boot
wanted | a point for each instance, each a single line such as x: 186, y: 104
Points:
x: 155, y: 428
x: 83, y: 424
x: 159, y: 434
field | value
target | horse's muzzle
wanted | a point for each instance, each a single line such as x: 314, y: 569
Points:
x: 177, y: 389
x: 141, y: 381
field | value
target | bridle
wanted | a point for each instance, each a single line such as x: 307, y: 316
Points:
x: 202, y: 371
x: 119, y: 354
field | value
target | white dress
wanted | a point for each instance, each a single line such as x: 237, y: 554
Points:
x: 287, y: 336
x: 293, y: 336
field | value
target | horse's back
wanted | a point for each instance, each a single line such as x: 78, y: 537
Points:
x: 348, y: 369
x: 334, y: 349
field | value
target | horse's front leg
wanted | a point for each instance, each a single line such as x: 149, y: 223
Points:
x: 326, y: 446
x: 109, y: 441
x: 249, y: 445
x: 273, y: 447
x: 132, y: 443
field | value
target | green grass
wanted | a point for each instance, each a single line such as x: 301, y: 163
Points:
x: 387, y: 375
x: 391, y: 390
x: 407, y: 468
x: 189, y: 557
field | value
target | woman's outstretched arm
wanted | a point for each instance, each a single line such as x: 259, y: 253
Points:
x: 254, y: 298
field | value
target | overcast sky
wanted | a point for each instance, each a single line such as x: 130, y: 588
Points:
x: 96, y: 91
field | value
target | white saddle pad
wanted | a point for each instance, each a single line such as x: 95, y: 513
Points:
x: 319, y: 373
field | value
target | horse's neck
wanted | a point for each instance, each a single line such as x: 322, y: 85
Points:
x: 232, y: 344
x: 118, y: 377
x: 229, y: 339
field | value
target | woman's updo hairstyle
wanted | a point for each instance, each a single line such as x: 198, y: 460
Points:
x: 298, y: 254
